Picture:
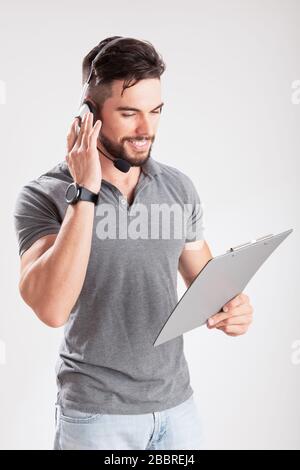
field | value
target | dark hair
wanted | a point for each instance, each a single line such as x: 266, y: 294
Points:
x: 130, y: 60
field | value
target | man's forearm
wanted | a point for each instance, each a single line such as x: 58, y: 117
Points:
x: 53, y: 282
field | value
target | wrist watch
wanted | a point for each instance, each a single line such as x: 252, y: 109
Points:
x: 75, y: 193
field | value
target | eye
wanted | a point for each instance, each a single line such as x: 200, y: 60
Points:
x: 128, y: 115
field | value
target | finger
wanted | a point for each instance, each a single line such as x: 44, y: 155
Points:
x: 245, y: 297
x: 72, y: 136
x: 236, y: 320
x: 235, y: 302
x: 243, y: 309
x: 87, y: 130
x: 240, y: 299
x: 233, y: 330
x: 95, y: 132
x: 82, y: 128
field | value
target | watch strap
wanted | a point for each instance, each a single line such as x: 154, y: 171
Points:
x: 87, y: 195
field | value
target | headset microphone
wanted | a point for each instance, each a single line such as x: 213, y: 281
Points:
x: 120, y: 164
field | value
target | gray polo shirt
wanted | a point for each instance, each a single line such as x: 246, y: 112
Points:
x: 107, y: 362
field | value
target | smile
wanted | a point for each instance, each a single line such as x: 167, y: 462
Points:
x: 139, y: 144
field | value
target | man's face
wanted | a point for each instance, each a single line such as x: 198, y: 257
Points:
x: 120, y: 126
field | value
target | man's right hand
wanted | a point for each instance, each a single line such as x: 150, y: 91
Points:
x: 82, y: 154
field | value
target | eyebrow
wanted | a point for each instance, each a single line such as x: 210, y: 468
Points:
x: 128, y: 108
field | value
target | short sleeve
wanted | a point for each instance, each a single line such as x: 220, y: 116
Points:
x: 35, y: 215
x: 194, y: 215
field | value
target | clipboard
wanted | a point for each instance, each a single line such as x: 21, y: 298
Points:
x: 222, y: 278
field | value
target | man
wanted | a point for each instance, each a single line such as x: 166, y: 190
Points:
x: 114, y: 290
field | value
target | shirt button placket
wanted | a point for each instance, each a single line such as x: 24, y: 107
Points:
x: 123, y: 202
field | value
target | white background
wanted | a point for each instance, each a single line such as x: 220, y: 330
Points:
x: 229, y: 122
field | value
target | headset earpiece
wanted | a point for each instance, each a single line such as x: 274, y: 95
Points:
x: 87, y: 107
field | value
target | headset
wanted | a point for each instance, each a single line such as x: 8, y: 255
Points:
x: 86, y: 106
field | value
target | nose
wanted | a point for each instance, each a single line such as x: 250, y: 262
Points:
x: 144, y: 127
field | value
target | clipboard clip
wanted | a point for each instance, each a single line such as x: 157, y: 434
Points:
x: 235, y: 248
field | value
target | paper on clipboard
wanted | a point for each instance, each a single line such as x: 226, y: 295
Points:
x: 221, y: 279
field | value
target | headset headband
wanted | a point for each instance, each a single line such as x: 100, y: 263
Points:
x: 107, y: 46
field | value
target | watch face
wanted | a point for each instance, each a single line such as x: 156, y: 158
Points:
x: 71, y: 193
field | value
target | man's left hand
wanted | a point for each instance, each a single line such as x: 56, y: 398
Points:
x: 236, y: 317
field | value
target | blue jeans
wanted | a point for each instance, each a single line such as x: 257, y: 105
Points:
x: 179, y: 427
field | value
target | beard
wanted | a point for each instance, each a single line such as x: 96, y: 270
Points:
x: 134, y: 157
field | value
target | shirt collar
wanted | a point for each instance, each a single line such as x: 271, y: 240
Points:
x: 151, y: 167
